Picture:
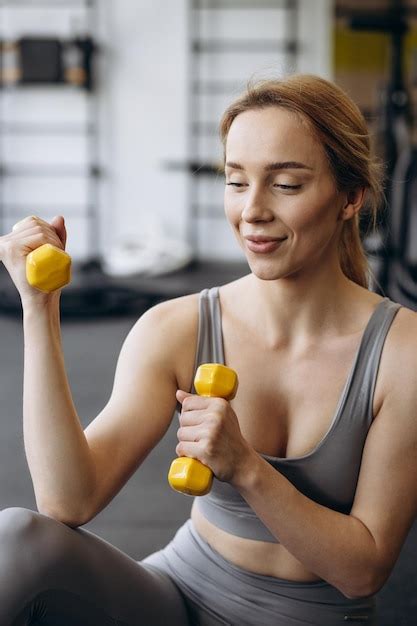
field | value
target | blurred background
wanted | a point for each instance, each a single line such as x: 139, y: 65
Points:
x: 109, y: 116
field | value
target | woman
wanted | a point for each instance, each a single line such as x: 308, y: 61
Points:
x: 315, y: 459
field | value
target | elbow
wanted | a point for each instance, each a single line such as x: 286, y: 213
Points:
x: 59, y: 516
x: 70, y: 518
x: 365, y: 586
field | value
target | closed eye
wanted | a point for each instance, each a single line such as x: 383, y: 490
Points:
x: 287, y: 186
x: 281, y: 186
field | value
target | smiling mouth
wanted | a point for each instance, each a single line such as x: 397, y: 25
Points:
x: 264, y: 246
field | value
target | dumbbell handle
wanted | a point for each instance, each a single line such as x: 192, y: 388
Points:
x: 188, y: 475
x: 48, y: 268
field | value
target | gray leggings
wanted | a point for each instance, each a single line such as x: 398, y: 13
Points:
x: 53, y: 575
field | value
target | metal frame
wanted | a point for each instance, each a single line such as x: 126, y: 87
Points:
x: 89, y: 130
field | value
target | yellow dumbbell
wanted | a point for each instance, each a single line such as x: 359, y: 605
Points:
x: 48, y: 268
x: 188, y: 475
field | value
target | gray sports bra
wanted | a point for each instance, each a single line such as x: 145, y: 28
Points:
x: 329, y: 473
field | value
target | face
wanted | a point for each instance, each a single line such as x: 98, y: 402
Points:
x: 280, y: 197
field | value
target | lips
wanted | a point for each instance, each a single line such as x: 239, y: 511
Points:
x: 262, y: 238
x: 263, y: 245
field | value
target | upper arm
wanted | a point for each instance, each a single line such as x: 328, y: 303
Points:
x: 142, y: 401
x: 386, y: 495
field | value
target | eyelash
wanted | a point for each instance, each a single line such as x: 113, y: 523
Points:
x: 280, y: 186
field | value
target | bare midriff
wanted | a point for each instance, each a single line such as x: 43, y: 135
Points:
x: 260, y: 557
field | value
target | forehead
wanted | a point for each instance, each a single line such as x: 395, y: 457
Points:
x: 272, y: 134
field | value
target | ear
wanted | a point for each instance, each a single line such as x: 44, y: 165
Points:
x: 353, y: 202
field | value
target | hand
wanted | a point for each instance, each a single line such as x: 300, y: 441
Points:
x: 209, y: 431
x: 27, y: 235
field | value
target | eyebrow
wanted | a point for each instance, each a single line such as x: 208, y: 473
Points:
x: 280, y: 165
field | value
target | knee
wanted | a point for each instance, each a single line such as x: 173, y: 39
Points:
x: 24, y: 532
x: 17, y: 540
x: 26, y: 541
x: 16, y: 523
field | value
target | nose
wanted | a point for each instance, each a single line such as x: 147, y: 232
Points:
x: 256, y: 208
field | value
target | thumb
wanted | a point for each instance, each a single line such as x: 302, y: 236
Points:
x: 58, y: 222
x: 181, y: 395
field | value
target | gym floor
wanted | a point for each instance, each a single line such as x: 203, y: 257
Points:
x: 146, y: 513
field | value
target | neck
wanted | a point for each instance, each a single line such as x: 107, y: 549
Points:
x: 301, y: 310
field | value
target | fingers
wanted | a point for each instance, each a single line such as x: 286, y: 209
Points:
x: 37, y: 231
x: 32, y: 239
x: 192, y: 450
x: 192, y: 418
x: 58, y: 222
x: 193, y: 401
x: 198, y: 409
x: 28, y: 222
x: 190, y: 433
x: 24, y: 223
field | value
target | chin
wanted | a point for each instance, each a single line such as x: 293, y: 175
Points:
x: 267, y: 276
x: 265, y: 273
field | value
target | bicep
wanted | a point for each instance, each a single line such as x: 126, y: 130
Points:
x: 386, y: 494
x: 140, y: 407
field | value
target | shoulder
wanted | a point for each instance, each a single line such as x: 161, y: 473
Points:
x: 171, y: 321
x: 172, y: 329
x: 399, y: 357
x: 176, y: 314
x: 405, y: 322
x: 401, y: 342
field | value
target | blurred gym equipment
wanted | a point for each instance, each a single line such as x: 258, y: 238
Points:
x: 395, y: 248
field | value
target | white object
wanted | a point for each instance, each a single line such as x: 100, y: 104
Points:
x: 151, y: 256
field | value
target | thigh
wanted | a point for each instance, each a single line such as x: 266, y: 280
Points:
x: 198, y: 614
x: 55, y: 574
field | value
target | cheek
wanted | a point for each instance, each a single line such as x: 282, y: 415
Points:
x: 232, y: 209
x: 314, y: 214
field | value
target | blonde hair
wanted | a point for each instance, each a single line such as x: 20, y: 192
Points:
x: 341, y: 129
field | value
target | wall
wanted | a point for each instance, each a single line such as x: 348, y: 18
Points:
x: 148, y: 84
x: 40, y: 142
x: 142, y: 115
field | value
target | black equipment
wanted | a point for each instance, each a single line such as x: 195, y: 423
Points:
x: 396, y: 250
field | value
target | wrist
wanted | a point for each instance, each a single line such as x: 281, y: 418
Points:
x: 42, y: 303
x: 246, y: 475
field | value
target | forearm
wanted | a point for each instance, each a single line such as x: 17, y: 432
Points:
x: 56, y: 448
x: 336, y: 547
